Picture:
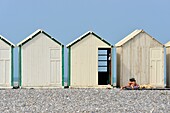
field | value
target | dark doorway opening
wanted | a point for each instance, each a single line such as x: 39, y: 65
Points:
x: 104, y: 66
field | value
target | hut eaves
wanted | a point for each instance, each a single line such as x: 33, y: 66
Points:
x: 167, y: 44
x: 7, y: 41
x: 83, y: 36
x: 35, y: 34
x: 131, y: 36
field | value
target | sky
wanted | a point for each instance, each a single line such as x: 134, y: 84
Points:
x: 66, y: 20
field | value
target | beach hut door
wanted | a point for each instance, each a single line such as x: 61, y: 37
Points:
x: 104, y: 66
x: 55, y: 66
x: 156, y: 66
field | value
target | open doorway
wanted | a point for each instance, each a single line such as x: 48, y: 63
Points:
x: 104, y: 66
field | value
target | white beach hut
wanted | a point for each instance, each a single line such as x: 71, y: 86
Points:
x: 6, y: 63
x: 141, y: 56
x: 90, y: 62
x: 41, y: 61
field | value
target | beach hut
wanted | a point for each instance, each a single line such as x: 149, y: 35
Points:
x: 6, y: 63
x: 89, y: 61
x: 41, y: 61
x: 167, y: 45
x: 141, y: 56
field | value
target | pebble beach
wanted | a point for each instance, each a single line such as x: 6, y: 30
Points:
x: 84, y: 101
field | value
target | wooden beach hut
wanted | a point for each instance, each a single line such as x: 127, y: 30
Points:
x: 89, y: 61
x: 167, y: 45
x: 6, y: 63
x: 141, y: 56
x: 41, y: 61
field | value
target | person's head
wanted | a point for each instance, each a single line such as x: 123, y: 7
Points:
x: 132, y: 80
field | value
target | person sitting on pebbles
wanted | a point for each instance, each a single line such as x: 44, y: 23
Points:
x: 131, y: 84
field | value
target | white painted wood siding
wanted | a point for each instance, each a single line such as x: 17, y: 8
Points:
x: 133, y: 59
x: 5, y: 64
x: 84, y: 61
x: 41, y: 62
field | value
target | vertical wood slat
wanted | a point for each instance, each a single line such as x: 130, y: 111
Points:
x: 136, y: 59
x: 6, y: 62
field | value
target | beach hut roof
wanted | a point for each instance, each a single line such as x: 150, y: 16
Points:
x: 167, y: 44
x: 7, y: 41
x: 131, y: 36
x: 83, y: 36
x: 34, y: 35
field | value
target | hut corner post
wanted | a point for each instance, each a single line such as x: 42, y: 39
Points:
x: 19, y: 69
x: 12, y: 67
x: 62, y: 65
x: 112, y: 66
x: 69, y: 65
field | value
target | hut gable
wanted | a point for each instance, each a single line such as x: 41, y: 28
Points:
x: 85, y: 37
x: 145, y: 39
x: 33, y: 35
x: 41, y: 40
x: 167, y: 44
x: 142, y: 40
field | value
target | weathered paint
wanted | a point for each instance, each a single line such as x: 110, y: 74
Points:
x: 133, y: 60
x: 167, y: 64
x: 41, y: 61
x: 83, y: 61
x: 156, y: 66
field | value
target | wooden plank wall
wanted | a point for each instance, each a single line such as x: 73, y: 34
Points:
x: 134, y: 59
x: 84, y: 61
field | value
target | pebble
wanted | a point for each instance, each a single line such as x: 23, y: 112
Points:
x: 84, y: 101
